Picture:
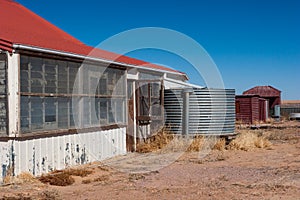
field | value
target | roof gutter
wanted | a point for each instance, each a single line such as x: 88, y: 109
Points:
x: 183, y: 83
x: 43, y: 50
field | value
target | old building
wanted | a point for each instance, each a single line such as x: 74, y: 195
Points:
x: 65, y: 103
x: 257, y: 104
x: 270, y: 93
x: 251, y: 109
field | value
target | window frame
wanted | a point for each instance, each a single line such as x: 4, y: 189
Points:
x: 144, y: 119
x: 58, y: 96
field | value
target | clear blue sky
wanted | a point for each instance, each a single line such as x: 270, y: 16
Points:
x: 252, y: 42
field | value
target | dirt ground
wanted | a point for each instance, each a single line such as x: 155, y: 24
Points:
x: 272, y: 172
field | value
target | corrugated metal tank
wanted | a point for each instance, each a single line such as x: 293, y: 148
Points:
x: 211, y: 111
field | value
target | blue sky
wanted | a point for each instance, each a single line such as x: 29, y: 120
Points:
x: 252, y: 42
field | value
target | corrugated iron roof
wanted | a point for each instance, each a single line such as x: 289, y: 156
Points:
x: 18, y: 25
x: 264, y: 91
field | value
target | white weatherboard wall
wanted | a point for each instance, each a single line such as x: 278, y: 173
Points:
x: 42, y: 155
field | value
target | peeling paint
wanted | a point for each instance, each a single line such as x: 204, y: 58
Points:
x: 42, y: 155
x: 83, y: 157
x: 33, y: 161
x: 4, y: 169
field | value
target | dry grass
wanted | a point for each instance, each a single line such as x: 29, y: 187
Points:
x: 8, y: 179
x: 78, y: 172
x: 86, y: 181
x: 104, y: 168
x: 249, y: 140
x: 63, y: 177
x: 270, y: 121
x: 101, y: 178
x: 59, y: 179
x: 98, y: 179
x: 49, y: 195
x: 286, y: 134
x: 165, y: 141
x: 135, y: 177
x: 220, y: 145
x: 196, y: 144
x: 16, y: 197
x: 156, y: 142
x: 26, y: 177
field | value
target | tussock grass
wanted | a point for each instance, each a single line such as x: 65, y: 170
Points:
x: 78, y: 172
x: 220, y: 144
x: 196, y: 144
x: 165, y: 141
x: 249, y: 140
x: 26, y: 177
x: 59, y: 179
x: 63, y: 177
x: 156, y: 142
x: 102, y: 178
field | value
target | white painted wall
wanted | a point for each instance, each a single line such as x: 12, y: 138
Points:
x: 12, y: 93
x: 43, y: 155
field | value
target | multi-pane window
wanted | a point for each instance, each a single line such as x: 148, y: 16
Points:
x: 3, y: 96
x: 149, y: 100
x: 55, y: 94
x: 150, y: 104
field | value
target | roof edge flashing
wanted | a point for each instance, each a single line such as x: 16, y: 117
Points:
x: 62, y: 53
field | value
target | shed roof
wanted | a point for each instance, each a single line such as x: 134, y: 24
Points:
x: 18, y: 25
x: 264, y: 91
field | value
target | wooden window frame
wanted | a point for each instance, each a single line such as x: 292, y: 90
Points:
x: 69, y: 95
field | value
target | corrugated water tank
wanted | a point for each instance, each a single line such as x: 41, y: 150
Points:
x: 210, y: 112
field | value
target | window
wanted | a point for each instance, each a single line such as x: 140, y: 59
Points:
x: 149, y: 101
x: 3, y: 95
x: 48, y: 92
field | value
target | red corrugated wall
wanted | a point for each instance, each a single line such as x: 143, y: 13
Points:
x: 248, y: 109
x: 263, y: 109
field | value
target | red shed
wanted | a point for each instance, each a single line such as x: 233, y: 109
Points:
x: 270, y: 93
x: 251, y: 108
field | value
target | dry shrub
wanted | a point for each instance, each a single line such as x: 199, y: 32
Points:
x: 19, y: 196
x: 165, y: 141
x: 63, y: 177
x: 59, y: 179
x: 135, y: 177
x: 220, y: 144
x: 78, y: 172
x: 270, y: 121
x: 155, y: 142
x: 101, y: 178
x: 86, y: 181
x: 8, y: 178
x: 280, y: 134
x: 179, y: 143
x: 247, y: 141
x: 98, y: 179
x: 26, y: 177
x: 104, y: 168
x: 262, y: 142
x: 49, y: 195
x: 196, y: 144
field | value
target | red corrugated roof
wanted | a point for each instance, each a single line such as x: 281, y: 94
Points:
x: 264, y: 91
x: 18, y: 25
